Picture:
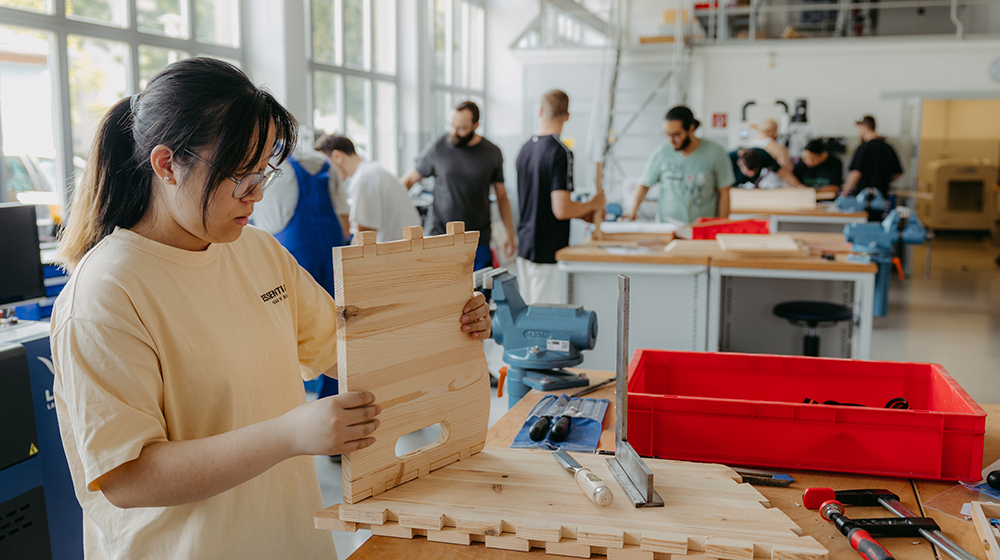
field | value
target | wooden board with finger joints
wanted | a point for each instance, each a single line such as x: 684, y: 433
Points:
x: 399, y: 336
x: 518, y: 499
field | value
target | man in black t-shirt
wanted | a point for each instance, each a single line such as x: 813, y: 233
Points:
x: 465, y: 166
x: 875, y: 163
x: 544, y: 184
x: 819, y: 169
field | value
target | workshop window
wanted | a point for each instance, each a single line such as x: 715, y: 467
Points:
x: 353, y: 71
x: 459, y: 43
x: 112, y: 48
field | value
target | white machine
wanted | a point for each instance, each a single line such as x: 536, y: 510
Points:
x: 964, y: 195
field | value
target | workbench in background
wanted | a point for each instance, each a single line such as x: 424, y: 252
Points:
x: 743, y: 292
x: 669, y: 295
x: 819, y: 219
x: 707, y: 300
x: 788, y: 500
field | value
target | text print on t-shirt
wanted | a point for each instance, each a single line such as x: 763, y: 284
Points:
x: 275, y: 295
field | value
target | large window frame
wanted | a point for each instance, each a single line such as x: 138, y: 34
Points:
x: 367, y: 74
x: 447, y: 92
x: 60, y: 26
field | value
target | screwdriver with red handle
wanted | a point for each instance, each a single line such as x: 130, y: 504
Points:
x: 863, y: 542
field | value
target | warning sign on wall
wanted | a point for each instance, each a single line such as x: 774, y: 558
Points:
x: 718, y: 120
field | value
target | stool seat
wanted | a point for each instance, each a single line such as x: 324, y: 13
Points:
x: 813, y: 312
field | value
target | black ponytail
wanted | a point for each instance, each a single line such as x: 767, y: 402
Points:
x: 684, y: 115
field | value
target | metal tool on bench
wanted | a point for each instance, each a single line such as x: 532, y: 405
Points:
x: 627, y: 466
x: 538, y: 340
x: 590, y: 483
x: 860, y: 539
x: 816, y: 497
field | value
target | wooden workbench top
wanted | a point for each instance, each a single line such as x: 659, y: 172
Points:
x: 818, y: 211
x: 816, y: 263
x: 654, y: 254
x: 640, y: 254
x: 788, y: 500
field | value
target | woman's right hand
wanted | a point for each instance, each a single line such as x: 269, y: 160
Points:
x: 334, y: 425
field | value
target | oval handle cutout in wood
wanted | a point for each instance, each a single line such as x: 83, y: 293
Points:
x: 421, y: 440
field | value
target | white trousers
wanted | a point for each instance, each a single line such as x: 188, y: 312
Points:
x: 538, y: 283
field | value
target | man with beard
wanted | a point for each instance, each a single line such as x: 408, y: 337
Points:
x: 464, y: 166
x: 694, y: 174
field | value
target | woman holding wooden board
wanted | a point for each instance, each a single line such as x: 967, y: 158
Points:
x: 182, y: 337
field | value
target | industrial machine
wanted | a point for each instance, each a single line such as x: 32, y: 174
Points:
x: 538, y: 340
x: 34, y: 476
x: 963, y: 196
x: 879, y: 242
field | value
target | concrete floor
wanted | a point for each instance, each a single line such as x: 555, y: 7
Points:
x: 951, y: 318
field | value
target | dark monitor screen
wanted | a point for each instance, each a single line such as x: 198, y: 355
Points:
x: 21, y: 276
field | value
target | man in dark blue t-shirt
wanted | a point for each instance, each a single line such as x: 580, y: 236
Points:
x: 544, y: 184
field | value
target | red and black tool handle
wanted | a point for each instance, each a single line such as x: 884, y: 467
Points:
x: 860, y: 539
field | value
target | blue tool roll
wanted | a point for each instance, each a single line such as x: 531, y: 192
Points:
x: 585, y: 425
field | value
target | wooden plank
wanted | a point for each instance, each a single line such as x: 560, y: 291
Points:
x: 568, y: 548
x: 398, y: 336
x: 756, y: 200
x: 693, y: 247
x: 706, y: 510
x: 759, y: 245
x: 656, y: 255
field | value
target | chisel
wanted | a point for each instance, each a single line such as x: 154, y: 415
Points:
x: 592, y: 485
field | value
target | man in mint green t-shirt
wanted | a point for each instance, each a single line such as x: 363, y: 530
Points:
x: 694, y: 174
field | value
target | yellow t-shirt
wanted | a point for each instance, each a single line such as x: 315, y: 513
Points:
x: 153, y: 343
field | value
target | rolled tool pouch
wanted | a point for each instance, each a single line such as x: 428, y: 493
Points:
x: 586, y: 419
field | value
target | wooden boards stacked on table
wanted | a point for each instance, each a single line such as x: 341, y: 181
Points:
x: 399, y: 308
x: 764, y: 200
x: 519, y: 499
x: 752, y: 245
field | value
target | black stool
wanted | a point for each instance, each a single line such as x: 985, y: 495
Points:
x: 813, y: 314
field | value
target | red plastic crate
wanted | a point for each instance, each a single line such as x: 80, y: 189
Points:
x: 708, y: 228
x: 747, y: 409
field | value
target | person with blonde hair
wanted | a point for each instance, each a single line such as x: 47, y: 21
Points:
x: 182, y: 337
x: 767, y: 140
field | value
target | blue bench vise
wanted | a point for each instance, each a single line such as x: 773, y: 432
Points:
x: 868, y: 200
x: 877, y: 241
x: 538, y: 340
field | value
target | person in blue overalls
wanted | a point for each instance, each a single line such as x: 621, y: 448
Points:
x: 307, y: 217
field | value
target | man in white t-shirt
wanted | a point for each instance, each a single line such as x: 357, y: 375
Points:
x: 275, y: 211
x: 378, y: 200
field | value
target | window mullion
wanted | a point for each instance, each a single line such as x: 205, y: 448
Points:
x: 64, y: 132
x: 449, y: 50
x: 338, y: 29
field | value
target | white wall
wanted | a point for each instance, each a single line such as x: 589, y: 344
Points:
x: 841, y: 79
x: 503, y: 119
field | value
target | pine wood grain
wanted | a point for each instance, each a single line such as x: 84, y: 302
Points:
x: 516, y: 497
x: 398, y: 312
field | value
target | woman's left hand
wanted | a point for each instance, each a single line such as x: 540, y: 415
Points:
x: 476, y: 317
